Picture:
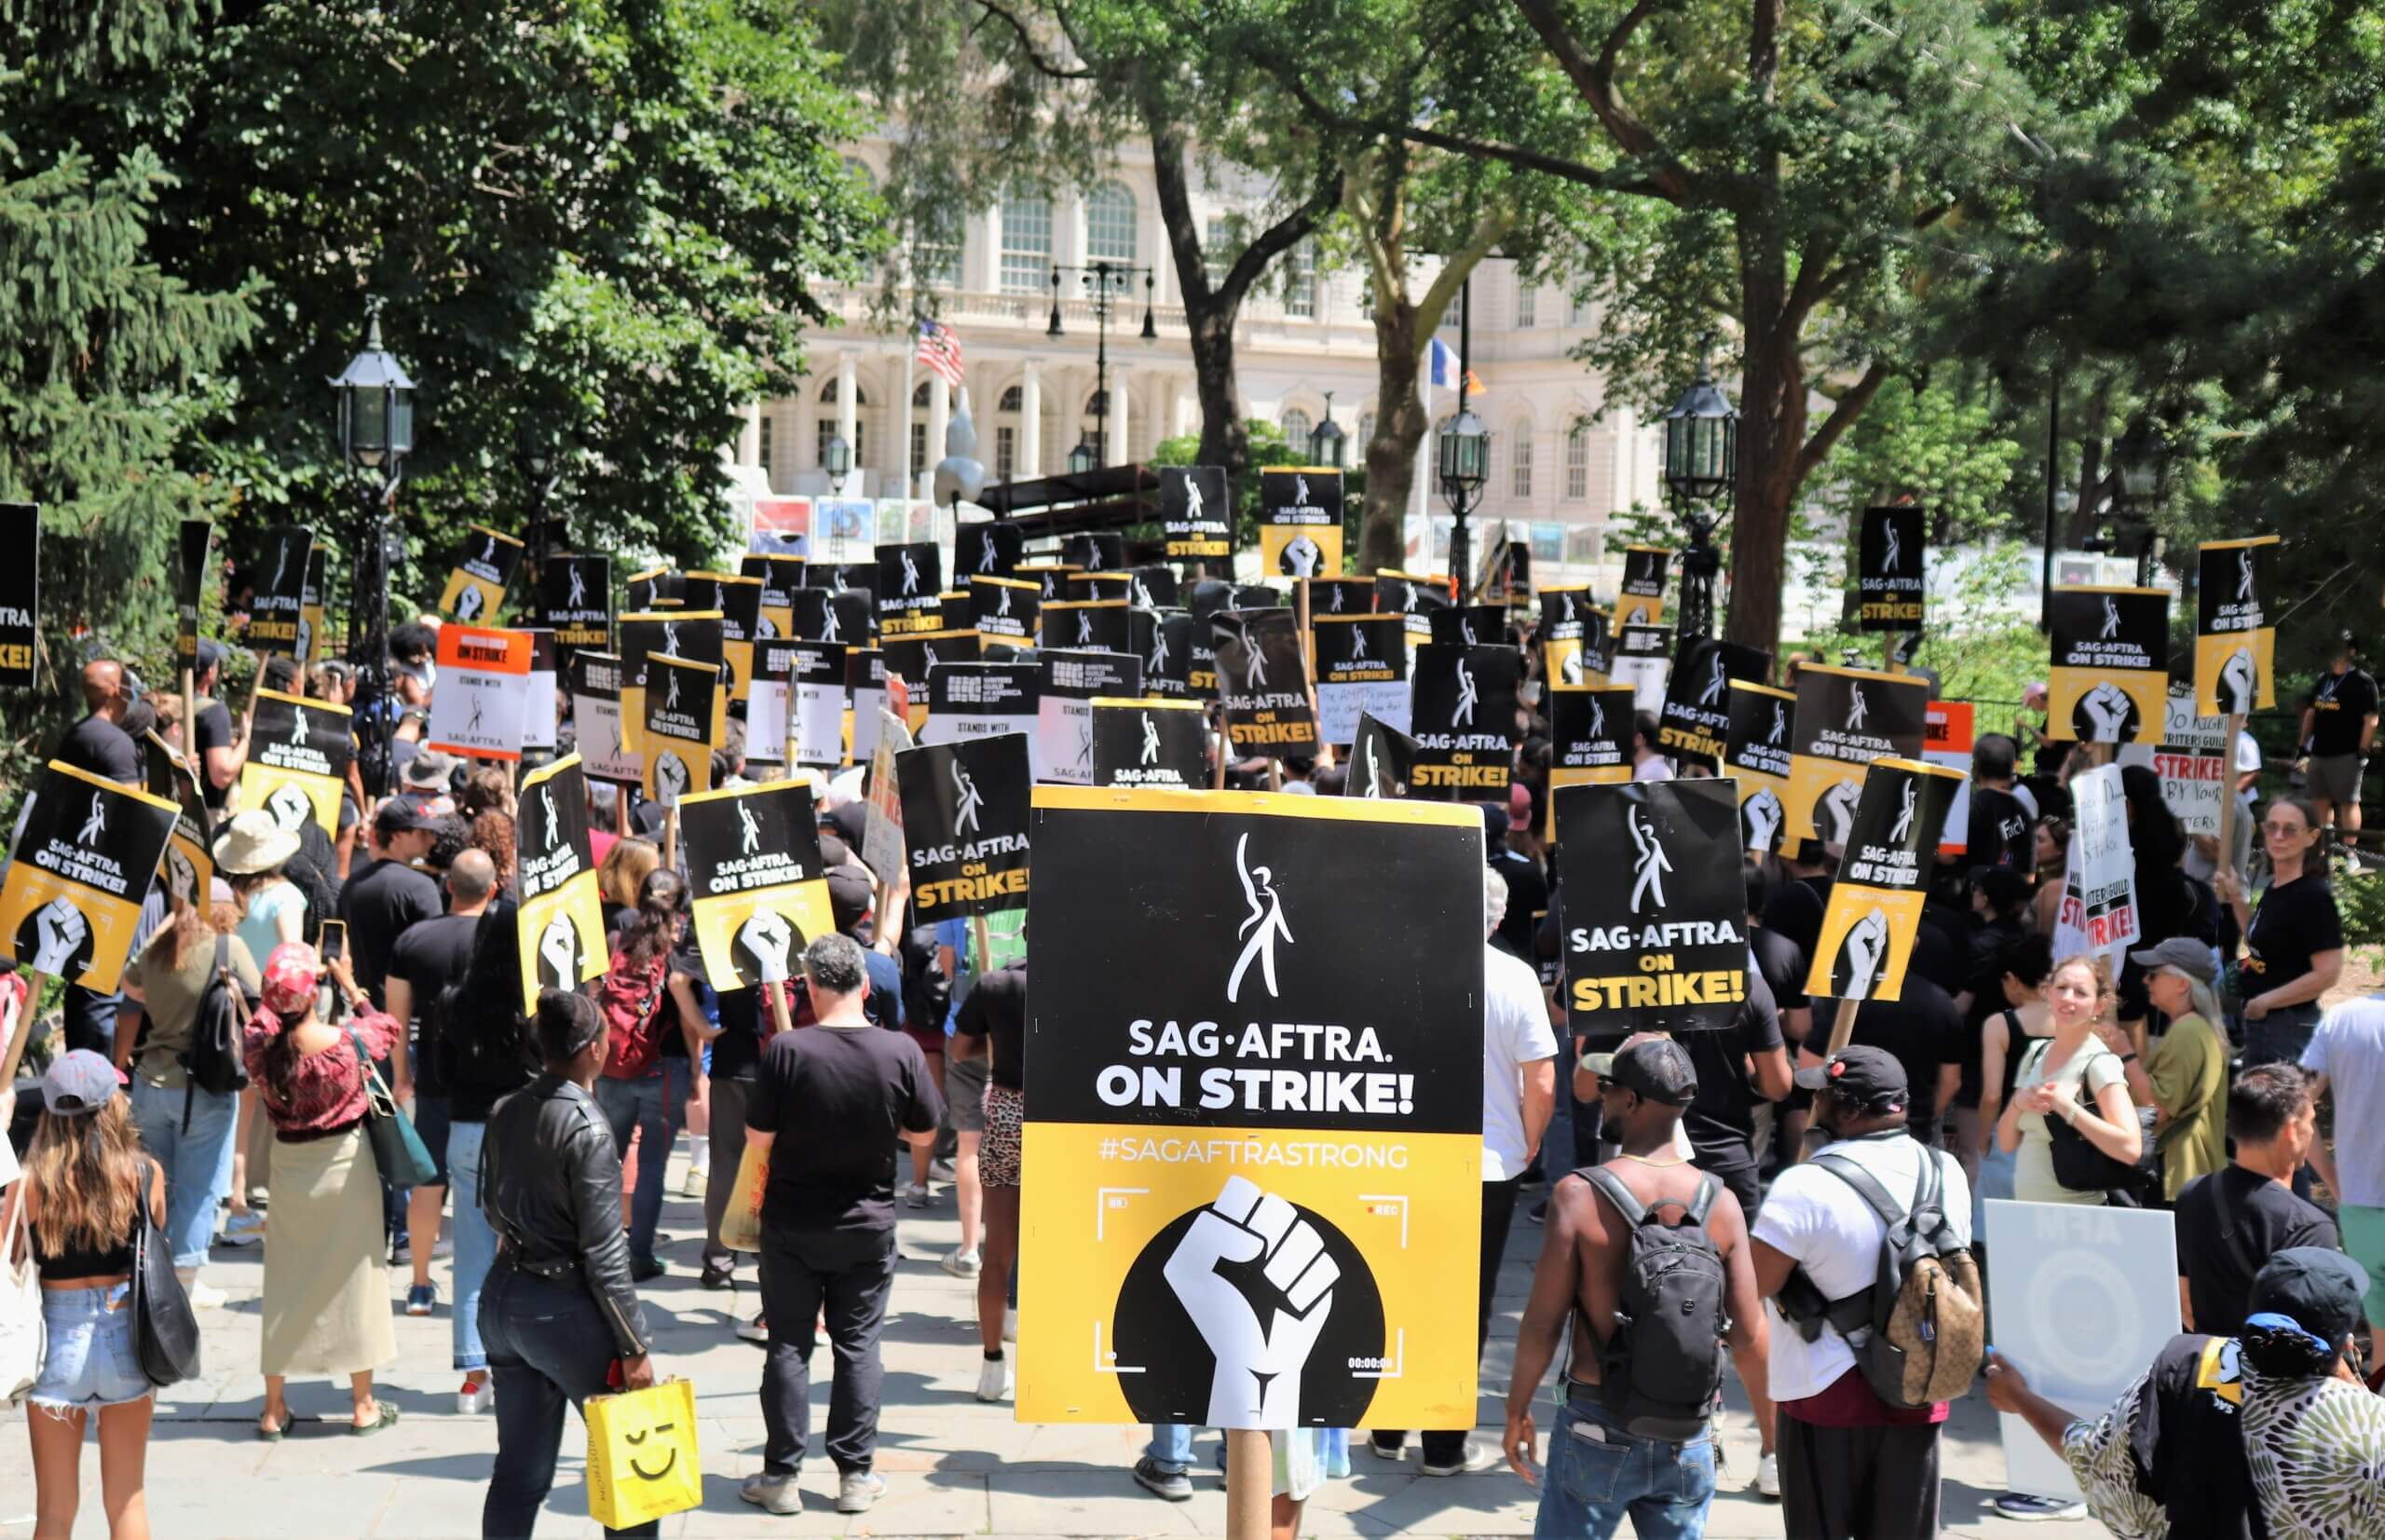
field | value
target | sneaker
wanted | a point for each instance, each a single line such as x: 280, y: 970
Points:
x: 961, y: 1264
x: 1156, y: 1478
x: 771, y: 1493
x: 205, y: 1295
x: 1767, y: 1477
x: 1394, y: 1451
x: 916, y: 1195
x: 1010, y: 1325
x: 856, y: 1490
x: 2029, y: 1509
x: 994, y: 1380
x: 756, y: 1330
x: 692, y: 1185
x: 647, y: 1269
x: 243, y: 1230
x: 940, y: 1170
x: 421, y: 1298
x: 718, y: 1275
x: 476, y: 1398
x: 1473, y: 1457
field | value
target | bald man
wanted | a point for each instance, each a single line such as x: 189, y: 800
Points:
x: 97, y: 743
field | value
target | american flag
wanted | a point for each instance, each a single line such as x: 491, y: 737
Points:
x: 940, y: 350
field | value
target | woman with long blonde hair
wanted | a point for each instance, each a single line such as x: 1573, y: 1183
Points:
x: 77, y: 1208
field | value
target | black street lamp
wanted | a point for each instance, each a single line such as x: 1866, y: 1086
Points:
x: 1329, y: 444
x: 534, y: 456
x: 1701, y: 466
x: 837, y: 458
x: 1084, y: 457
x: 376, y: 436
x: 1107, y: 280
x: 2139, y: 465
x: 1465, y: 452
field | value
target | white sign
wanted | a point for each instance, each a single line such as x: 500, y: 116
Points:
x: 2098, y: 911
x: 601, y: 753
x: 1338, y: 708
x: 817, y: 723
x: 1646, y: 677
x: 484, y: 693
x: 766, y: 713
x: 1067, y: 682
x: 2189, y: 760
x: 2080, y: 1300
x: 539, y: 722
x: 881, y: 837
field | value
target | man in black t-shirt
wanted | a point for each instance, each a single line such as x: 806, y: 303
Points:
x: 831, y: 1104
x: 98, y: 744
x: 1923, y: 1032
x: 1996, y: 833
x: 213, y: 743
x: 2338, y: 729
x: 2233, y: 1221
x: 1527, y: 889
x: 1796, y: 910
x: 431, y: 955
x: 380, y: 901
x: 1721, y: 1121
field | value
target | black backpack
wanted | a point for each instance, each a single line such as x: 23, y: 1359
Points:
x: 213, y: 1062
x: 1663, y: 1365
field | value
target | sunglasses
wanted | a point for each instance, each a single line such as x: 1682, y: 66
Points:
x: 2274, y: 825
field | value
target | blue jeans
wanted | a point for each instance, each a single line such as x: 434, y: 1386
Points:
x: 1171, y: 1446
x: 1597, y: 1473
x: 656, y: 1105
x: 197, y: 1163
x: 475, y: 1242
x: 548, y: 1344
x: 2281, y: 1036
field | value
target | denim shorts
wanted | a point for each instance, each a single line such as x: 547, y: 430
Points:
x: 89, y: 1360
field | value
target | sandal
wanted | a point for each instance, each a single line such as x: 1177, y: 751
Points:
x: 386, y: 1416
x: 273, y: 1434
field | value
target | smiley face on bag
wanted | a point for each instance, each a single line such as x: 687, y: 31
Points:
x: 651, y: 1442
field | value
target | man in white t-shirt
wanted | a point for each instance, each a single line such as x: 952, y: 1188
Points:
x: 2347, y: 1058
x: 1852, y: 1467
x: 1519, y: 1093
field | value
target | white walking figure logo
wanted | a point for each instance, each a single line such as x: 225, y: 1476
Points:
x: 1151, y: 740
x: 1408, y: 599
x: 1158, y: 660
x: 97, y: 823
x: 985, y: 553
x: 1299, y: 491
x: 1092, y: 555
x: 1780, y: 725
x: 1466, y: 698
x: 1598, y: 717
x: 836, y: 580
x: 670, y: 692
x: 2244, y: 574
x: 964, y: 817
x: 2111, y: 619
x: 1003, y: 608
x: 1639, y: 616
x: 1266, y: 922
x: 1373, y: 785
x: 473, y: 724
x: 1465, y: 631
x: 1256, y: 674
x: 1085, y: 741
x: 934, y: 662
x: 555, y: 820
x: 911, y: 573
x: 1338, y: 598
x: 488, y: 557
x: 578, y: 594
x: 280, y: 565
x: 1715, y: 680
x: 1904, y: 825
x: 1888, y: 557
x: 1192, y: 498
x: 829, y: 632
x: 1857, y: 707
x: 1571, y: 672
x: 671, y: 637
x: 1649, y: 866
x: 749, y: 831
x: 1357, y: 644
x: 1085, y: 627
x: 298, y: 724
x: 1143, y: 595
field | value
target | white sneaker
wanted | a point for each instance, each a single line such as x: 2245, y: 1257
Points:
x: 916, y: 1195
x: 1010, y: 1325
x: 961, y: 1264
x: 1767, y: 1477
x: 756, y: 1330
x: 940, y: 1170
x: 994, y: 1383
x: 204, y: 1296
x: 474, y: 1399
x: 692, y: 1185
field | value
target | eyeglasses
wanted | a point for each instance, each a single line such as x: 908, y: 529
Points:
x: 2276, y: 825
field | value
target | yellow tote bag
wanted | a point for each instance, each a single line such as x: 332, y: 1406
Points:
x: 642, y: 1459
x: 740, y: 1227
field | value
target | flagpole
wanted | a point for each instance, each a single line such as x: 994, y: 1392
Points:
x: 1420, y: 516
x: 910, y: 351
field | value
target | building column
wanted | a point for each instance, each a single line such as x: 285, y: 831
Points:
x: 1627, y: 462
x: 1031, y: 422
x: 1187, y: 410
x: 939, y: 419
x: 749, y: 435
x: 848, y: 409
x: 1117, y: 451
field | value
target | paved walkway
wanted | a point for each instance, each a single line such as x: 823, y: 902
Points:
x: 953, y: 1467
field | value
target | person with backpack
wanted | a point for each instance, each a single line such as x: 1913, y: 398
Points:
x: 198, y: 986
x: 1863, y: 1252
x: 1645, y: 1272
x: 643, y: 1089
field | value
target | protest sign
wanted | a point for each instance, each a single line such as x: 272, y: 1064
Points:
x: 560, y: 926
x: 2098, y: 911
x: 2110, y: 669
x: 656, y: 588
x: 596, y: 687
x: 1003, y: 611
x: 1462, y: 712
x: 312, y: 630
x: 85, y: 855
x: 965, y: 824
x: 189, y: 864
x: 1598, y: 650
x: 980, y: 699
x: 881, y: 839
x: 1361, y: 666
x: 758, y: 890
x: 781, y: 576
x: 478, y: 575
x: 1946, y: 741
x: 1195, y: 513
x: 910, y: 584
x: 190, y: 585
x: 1875, y: 904
x: 1066, y: 685
x: 689, y: 633
x: 1163, y: 639
x: 768, y: 709
x: 1263, y: 684
x: 298, y: 756
x: 2190, y: 760
x: 21, y: 592
x: 848, y: 577
x: 1846, y: 718
x: 1116, y: 585
x: 916, y: 657
x: 1340, y: 596
x: 2081, y: 1300
x: 1101, y: 625
x: 1381, y: 758
x: 539, y: 716
x: 1414, y: 598
x: 1640, y: 601
x: 1300, y: 521
x: 816, y: 701
x: 1051, y: 578
x: 865, y: 689
x: 575, y: 602
x: 484, y: 693
x: 781, y: 526
x: 1093, y: 551
x: 676, y: 734
x: 1694, y: 723
x: 843, y: 615
x: 1150, y: 743
x: 1563, y: 612
x: 989, y: 550
x: 1755, y: 753
x: 1888, y: 555
x: 279, y: 599
x: 2235, y: 634
x: 1667, y: 950
x: 1589, y: 740
x: 1152, y: 587
x: 1641, y: 659
x: 1178, y: 1132
x: 1468, y: 625
x: 738, y: 599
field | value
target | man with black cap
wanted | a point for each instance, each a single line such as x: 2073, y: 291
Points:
x: 1851, y: 1466
x: 389, y: 893
x: 1579, y: 1287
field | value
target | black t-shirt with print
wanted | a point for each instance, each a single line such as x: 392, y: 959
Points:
x: 1997, y: 833
x: 2229, y: 1224
x: 996, y: 1009
x: 2337, y: 707
x: 2290, y: 922
x: 1723, y: 1112
x: 837, y: 1097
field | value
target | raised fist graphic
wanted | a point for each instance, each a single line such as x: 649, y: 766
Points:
x: 291, y: 806
x: 1261, y: 1328
x: 669, y: 779
x: 1835, y: 814
x: 1862, y: 956
x: 559, y: 954
x: 61, y: 940
x: 2107, y: 708
x: 1763, y: 813
x: 767, y: 939
x: 468, y: 604
x: 2238, y: 681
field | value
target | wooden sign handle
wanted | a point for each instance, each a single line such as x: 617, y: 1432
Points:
x: 1842, y: 1026
x: 2227, y: 791
x: 24, y: 1034
x: 1250, y: 1484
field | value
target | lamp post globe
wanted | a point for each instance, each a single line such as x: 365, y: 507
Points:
x: 1701, y: 443
x: 376, y: 404
x: 375, y: 399
x: 1466, y: 458
x: 837, y: 458
x: 1327, y: 445
x: 1083, y: 458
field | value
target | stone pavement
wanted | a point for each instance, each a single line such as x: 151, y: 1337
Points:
x: 952, y: 1465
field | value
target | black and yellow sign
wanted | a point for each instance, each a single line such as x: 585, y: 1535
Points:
x: 278, y: 599
x: 759, y: 890
x: 1094, y: 551
x: 917, y: 656
x: 990, y: 550
x: 1152, y: 587
x: 843, y: 615
x: 1414, y: 597
x: 312, y: 632
x: 781, y: 576
x: 910, y: 588
x: 1641, y: 602
x: 1361, y: 666
x: 1875, y: 904
x: 1888, y: 569
x: 1256, y: 1103
x: 576, y: 603
x: 1150, y: 743
x: 2235, y: 633
x: 1003, y: 611
x: 21, y: 592
x: 1300, y: 521
x: 478, y: 574
x: 1655, y: 909
x: 680, y: 699
x: 560, y: 925
x: 190, y: 585
x: 1101, y: 624
x: 1195, y: 512
x: 1381, y: 758
x: 189, y: 864
x: 1589, y: 740
x: 1116, y: 584
x: 1051, y: 576
x: 1468, y: 625
x: 1564, y: 612
x: 1697, y: 715
x: 658, y: 587
x: 739, y: 601
x: 299, y: 751
x: 1846, y: 718
x: 1463, y: 713
x: 1756, y: 755
x: 688, y: 634
x: 2110, y: 680
x: 1262, y: 682
x: 1164, y: 640
x: 965, y: 824
x: 848, y: 576
x: 84, y: 859
x: 1333, y: 596
x: 1598, y: 648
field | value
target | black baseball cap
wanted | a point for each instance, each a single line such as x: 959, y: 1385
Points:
x: 1871, y: 1077
x: 2316, y: 1287
x: 400, y: 816
x: 1658, y: 1068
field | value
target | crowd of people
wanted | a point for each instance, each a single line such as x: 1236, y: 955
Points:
x: 379, y: 960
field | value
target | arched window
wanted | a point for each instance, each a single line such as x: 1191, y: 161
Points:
x: 1098, y: 403
x: 1109, y: 227
x: 829, y: 393
x: 859, y: 169
x: 1026, y: 244
x: 1577, y: 465
x: 1520, y: 461
x: 919, y: 394
x: 1014, y: 400
x: 1296, y: 426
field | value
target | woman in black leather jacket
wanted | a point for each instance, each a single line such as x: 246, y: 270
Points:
x: 559, y: 1309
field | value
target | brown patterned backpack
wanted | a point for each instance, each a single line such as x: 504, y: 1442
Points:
x: 1920, y: 1330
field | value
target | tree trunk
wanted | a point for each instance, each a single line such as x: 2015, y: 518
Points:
x: 1400, y: 428
x: 1772, y: 439
x: 1226, y: 439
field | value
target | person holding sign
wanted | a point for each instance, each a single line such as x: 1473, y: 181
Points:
x: 2294, y: 936
x: 2077, y: 1076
